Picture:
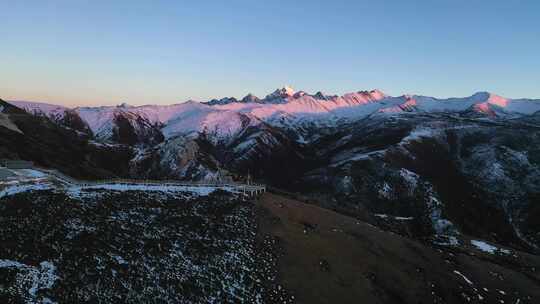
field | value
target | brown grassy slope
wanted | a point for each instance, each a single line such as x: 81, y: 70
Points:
x: 332, y: 258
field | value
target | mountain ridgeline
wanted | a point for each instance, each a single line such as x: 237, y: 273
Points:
x: 457, y: 166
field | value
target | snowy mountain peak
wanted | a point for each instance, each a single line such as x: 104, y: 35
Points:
x: 299, y: 94
x: 222, y: 101
x: 480, y: 96
x: 287, y: 91
x: 377, y: 94
x: 250, y: 98
x: 280, y: 95
x: 498, y: 100
x: 284, y: 92
x: 486, y: 99
x: 320, y: 95
x: 124, y: 105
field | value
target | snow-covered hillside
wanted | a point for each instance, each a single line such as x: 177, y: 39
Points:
x: 58, y: 114
x: 49, y: 110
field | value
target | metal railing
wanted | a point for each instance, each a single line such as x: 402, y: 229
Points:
x: 177, y: 183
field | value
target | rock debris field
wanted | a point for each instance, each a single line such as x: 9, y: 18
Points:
x: 133, y: 246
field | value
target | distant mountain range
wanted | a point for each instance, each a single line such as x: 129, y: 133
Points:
x: 285, y: 108
x: 457, y: 166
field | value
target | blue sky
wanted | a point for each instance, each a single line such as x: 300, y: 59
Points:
x: 105, y: 52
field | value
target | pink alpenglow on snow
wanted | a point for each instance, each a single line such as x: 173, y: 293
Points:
x: 284, y: 107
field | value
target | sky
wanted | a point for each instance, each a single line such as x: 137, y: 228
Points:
x: 79, y: 52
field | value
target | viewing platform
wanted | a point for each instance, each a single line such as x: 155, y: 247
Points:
x: 247, y: 189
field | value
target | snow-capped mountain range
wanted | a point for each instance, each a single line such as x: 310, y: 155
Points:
x: 445, y: 162
x: 284, y: 108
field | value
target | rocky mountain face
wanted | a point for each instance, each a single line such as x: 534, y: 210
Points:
x: 58, y: 114
x: 177, y: 158
x: 428, y: 168
x: 50, y: 144
x: 448, y: 175
x: 131, y: 129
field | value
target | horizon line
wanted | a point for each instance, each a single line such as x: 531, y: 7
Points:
x: 53, y: 103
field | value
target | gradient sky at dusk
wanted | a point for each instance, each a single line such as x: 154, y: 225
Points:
x: 105, y: 52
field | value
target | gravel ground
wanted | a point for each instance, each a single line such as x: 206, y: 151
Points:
x: 128, y: 247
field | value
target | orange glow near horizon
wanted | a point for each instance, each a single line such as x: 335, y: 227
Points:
x: 71, y: 102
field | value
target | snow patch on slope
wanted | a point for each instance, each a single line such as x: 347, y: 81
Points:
x: 11, y: 190
x: 29, y: 280
x: 38, y: 108
x: 485, y: 247
x: 7, y: 123
x: 77, y: 191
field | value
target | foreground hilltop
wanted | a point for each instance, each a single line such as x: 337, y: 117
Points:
x: 106, y: 245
